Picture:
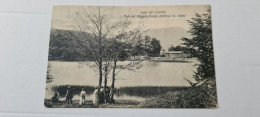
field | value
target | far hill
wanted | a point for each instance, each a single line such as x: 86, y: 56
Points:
x: 168, y: 36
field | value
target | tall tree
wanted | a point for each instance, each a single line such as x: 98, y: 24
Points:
x: 147, y: 44
x: 93, y: 23
x: 106, y: 41
x: 155, y: 47
x: 201, y: 46
x: 122, y: 47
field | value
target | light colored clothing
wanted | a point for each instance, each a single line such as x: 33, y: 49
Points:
x: 82, y: 95
x: 95, y: 97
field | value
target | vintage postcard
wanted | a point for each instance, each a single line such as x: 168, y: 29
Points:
x: 131, y: 57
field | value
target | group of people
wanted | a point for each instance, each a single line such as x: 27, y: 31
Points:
x: 69, y: 96
x: 103, y: 95
x: 100, y: 95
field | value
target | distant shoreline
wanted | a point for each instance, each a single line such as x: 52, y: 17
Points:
x: 173, y: 61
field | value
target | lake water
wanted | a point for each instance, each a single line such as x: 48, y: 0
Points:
x: 150, y: 74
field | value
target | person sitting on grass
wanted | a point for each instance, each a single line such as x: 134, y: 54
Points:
x: 82, y: 95
x: 55, y: 97
x: 69, y: 95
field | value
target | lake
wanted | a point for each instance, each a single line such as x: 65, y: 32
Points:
x: 151, y: 73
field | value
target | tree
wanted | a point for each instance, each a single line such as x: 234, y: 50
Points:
x: 177, y: 48
x: 155, y: 47
x: 147, y: 44
x: 123, y: 45
x: 93, y: 24
x: 201, y: 46
x: 137, y: 42
x: 65, y: 45
x: 105, y: 41
x: 49, y: 77
x: 171, y: 48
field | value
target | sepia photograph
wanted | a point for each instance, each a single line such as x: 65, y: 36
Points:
x: 131, y: 57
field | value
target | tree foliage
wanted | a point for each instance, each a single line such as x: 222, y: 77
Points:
x: 155, y: 47
x: 177, y: 48
x: 66, y: 45
x: 146, y: 46
x: 201, y: 46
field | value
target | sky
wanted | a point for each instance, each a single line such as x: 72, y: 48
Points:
x: 62, y: 15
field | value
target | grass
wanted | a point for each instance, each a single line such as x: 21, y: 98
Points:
x: 203, y: 96
x: 89, y: 104
x: 140, y: 91
x: 147, y: 91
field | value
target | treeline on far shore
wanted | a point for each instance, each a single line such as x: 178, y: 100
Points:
x: 65, y: 45
x: 69, y: 45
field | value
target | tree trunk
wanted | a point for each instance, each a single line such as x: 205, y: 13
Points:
x: 105, y: 80
x: 113, y: 80
x: 100, y: 74
x: 105, y: 83
x: 100, y: 59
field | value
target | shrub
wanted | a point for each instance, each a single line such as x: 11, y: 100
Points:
x: 203, y: 96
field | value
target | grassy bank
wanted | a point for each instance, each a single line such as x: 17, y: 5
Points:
x: 89, y: 104
x: 203, y: 96
x: 147, y: 91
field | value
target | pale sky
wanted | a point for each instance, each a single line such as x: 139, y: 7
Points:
x: 60, y: 15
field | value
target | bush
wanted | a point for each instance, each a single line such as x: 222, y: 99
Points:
x: 203, y: 96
